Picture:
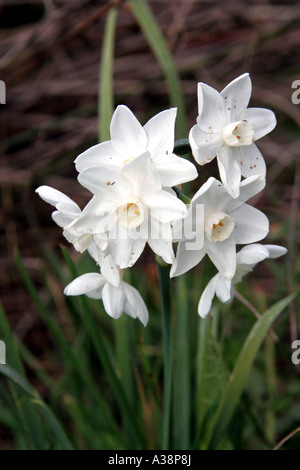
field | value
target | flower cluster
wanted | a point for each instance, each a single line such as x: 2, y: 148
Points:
x: 132, y: 179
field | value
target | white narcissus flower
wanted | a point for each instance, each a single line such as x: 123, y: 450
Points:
x: 226, y: 222
x: 116, y: 300
x: 67, y: 211
x: 130, y: 140
x: 227, y: 129
x: 130, y: 206
x: 246, y: 259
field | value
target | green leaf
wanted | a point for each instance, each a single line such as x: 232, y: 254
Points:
x: 35, y: 400
x: 235, y: 385
x: 106, y: 100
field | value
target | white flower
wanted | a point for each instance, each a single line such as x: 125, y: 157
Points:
x: 67, y: 211
x: 132, y: 208
x: 129, y: 140
x: 116, y: 300
x: 226, y: 222
x: 246, y: 259
x: 227, y: 129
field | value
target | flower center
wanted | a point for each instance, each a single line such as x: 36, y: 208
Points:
x: 238, y: 133
x: 130, y: 215
x: 218, y: 227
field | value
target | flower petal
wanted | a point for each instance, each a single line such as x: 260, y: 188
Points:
x: 124, y: 249
x: 250, y: 160
x: 252, y: 254
x: 86, y: 284
x: 135, y: 306
x: 230, y: 171
x: 212, y: 116
x: 251, y: 225
x: 165, y: 207
x: 207, y: 296
x: 53, y: 197
x: 127, y: 135
x: 160, y: 131
x: 174, y: 170
x: 204, y: 145
x: 95, y: 179
x: 275, y: 250
x: 161, y: 241
x: 186, y: 259
x: 113, y: 299
x: 262, y: 121
x: 100, y: 154
x: 223, y: 289
x: 236, y: 96
x: 248, y: 188
x: 223, y: 255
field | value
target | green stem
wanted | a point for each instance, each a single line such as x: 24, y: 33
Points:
x: 165, y: 293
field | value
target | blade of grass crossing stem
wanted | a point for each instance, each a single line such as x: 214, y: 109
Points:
x: 103, y: 355
x: 105, y: 100
x: 235, y: 385
x: 157, y: 42
x: 165, y: 295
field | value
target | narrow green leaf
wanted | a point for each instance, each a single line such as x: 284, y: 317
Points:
x: 235, y: 385
x: 35, y: 399
x: 106, y: 100
x: 157, y: 42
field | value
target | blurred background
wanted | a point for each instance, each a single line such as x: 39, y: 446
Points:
x: 50, y: 55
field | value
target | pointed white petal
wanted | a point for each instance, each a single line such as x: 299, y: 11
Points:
x: 223, y: 255
x: 250, y: 160
x: 135, y: 306
x: 86, y: 284
x: 251, y: 225
x: 113, y: 299
x: 61, y: 219
x: 186, y: 259
x: 223, y: 289
x: 207, y: 296
x: 230, y: 171
x: 275, y: 250
x: 127, y: 135
x: 204, y: 145
x: 248, y: 188
x: 212, y: 116
x: 163, y: 247
x: 108, y: 268
x: 100, y: 154
x: 236, y: 96
x: 165, y: 207
x: 126, y: 249
x: 143, y: 175
x: 252, y: 254
x: 160, y: 131
x: 53, y: 197
x: 95, y: 179
x: 174, y: 170
x: 262, y: 121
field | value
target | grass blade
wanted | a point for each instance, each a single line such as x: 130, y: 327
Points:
x: 235, y: 385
